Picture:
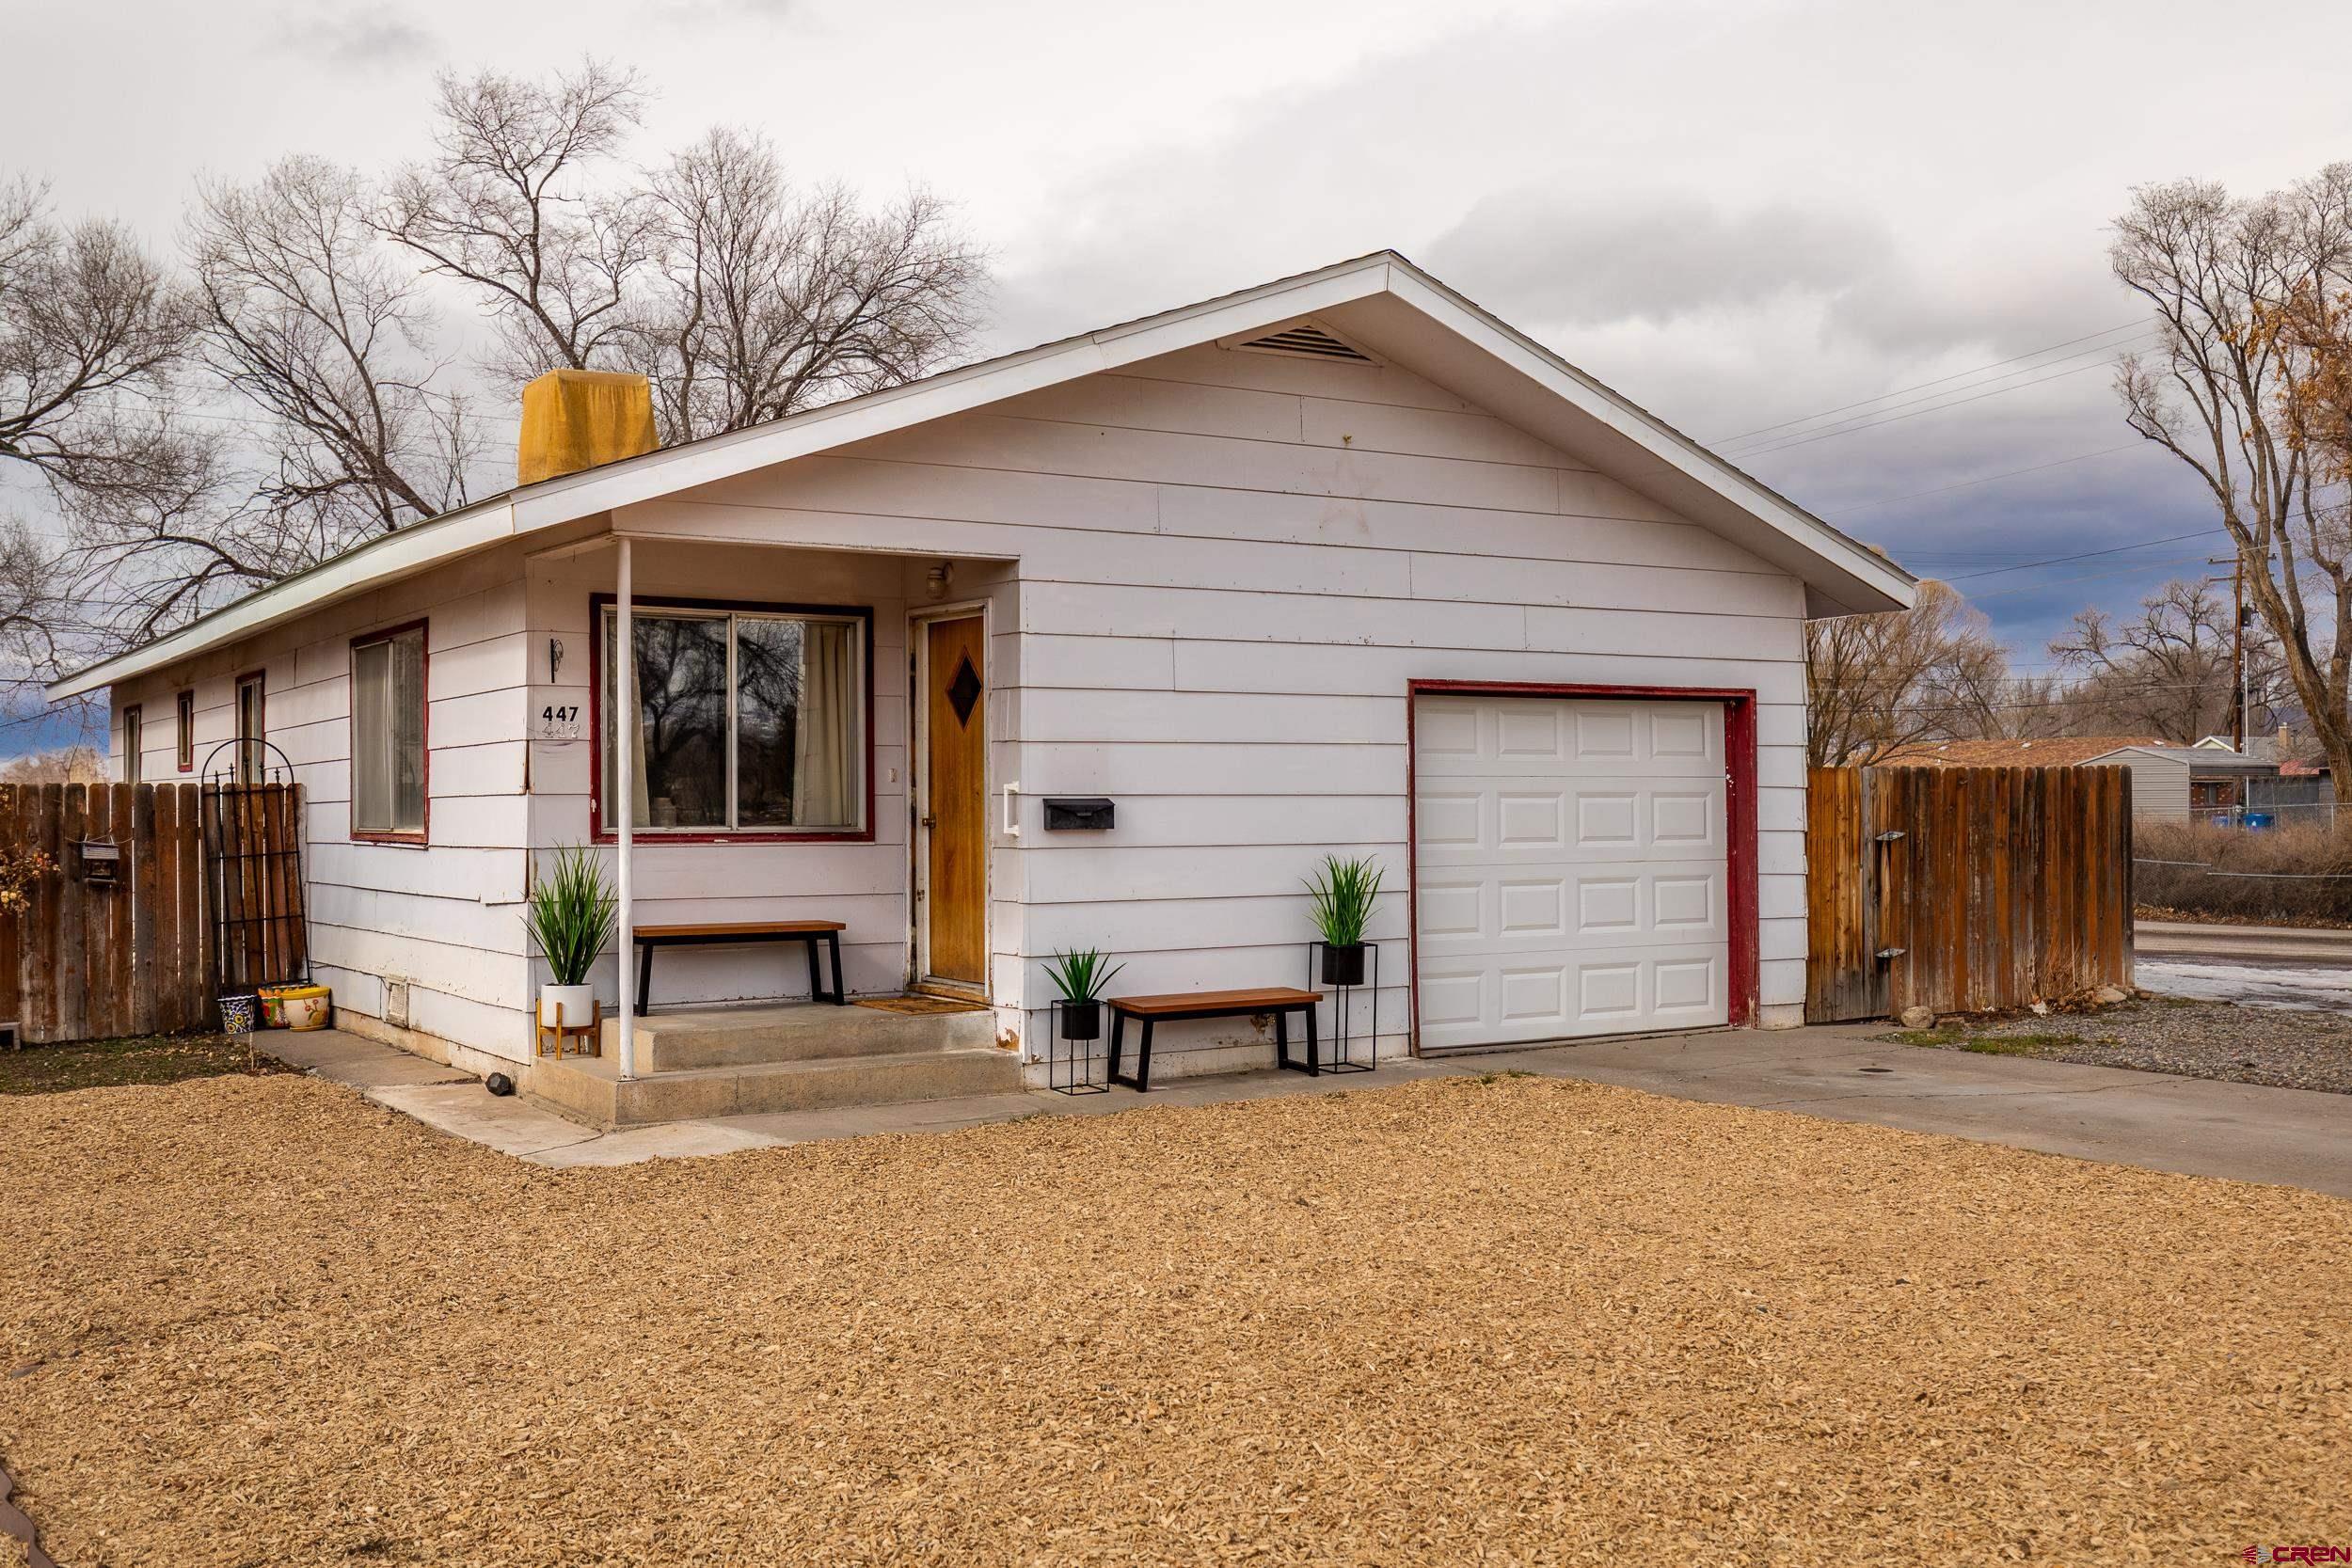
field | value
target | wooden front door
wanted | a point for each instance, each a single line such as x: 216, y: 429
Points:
x: 955, y: 802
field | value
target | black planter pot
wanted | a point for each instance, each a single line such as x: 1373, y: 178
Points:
x: 1082, y: 1020
x: 1343, y: 964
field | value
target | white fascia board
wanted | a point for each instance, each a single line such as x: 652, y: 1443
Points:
x: 1670, y: 449
x: 394, y: 555
x: 666, y: 473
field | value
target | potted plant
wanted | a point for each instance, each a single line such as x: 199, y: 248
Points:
x: 1343, y: 892
x: 1080, y: 978
x: 571, y: 918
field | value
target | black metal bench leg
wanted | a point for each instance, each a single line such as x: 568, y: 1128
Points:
x: 645, y: 977
x: 833, y: 947
x: 1143, y: 1060
x: 1315, y: 1065
x: 1281, y: 1038
x: 1118, y: 1038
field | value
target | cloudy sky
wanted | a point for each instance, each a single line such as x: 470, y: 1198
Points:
x: 1801, y: 230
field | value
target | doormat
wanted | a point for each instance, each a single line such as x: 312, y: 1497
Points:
x: 921, y: 1005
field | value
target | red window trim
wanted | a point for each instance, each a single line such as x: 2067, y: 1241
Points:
x: 600, y: 833
x: 423, y: 837
x: 183, y: 716
x: 134, y: 769
x: 1742, y: 892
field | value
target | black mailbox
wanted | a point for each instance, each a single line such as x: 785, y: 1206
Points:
x: 1077, y: 810
x: 102, y: 862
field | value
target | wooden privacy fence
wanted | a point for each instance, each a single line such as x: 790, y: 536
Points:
x: 142, y: 950
x: 1964, y: 889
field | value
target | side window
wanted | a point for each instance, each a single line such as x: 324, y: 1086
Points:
x: 252, y: 729
x: 186, y: 740
x: 134, y: 745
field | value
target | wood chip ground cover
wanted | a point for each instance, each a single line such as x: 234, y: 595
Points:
x: 259, y: 1320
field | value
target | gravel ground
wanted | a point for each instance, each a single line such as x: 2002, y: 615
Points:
x: 2195, y: 1039
x: 1503, y: 1320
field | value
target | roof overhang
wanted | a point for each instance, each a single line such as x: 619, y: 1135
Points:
x: 1382, y: 300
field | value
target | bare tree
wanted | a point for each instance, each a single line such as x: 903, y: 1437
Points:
x: 2218, y: 393
x: 510, y: 207
x: 91, y: 330
x: 763, y: 300
x: 1876, y: 684
x: 2168, y: 672
x: 308, y: 318
x: 348, y: 424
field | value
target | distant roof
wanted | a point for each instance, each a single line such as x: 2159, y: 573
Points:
x: 2049, y: 751
x: 2200, y: 759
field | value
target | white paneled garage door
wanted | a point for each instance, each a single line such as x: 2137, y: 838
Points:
x: 1570, y: 867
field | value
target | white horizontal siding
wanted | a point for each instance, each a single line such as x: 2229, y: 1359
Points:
x: 1231, y: 566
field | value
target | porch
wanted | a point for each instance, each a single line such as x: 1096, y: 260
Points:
x: 762, y: 1058
x: 810, y: 742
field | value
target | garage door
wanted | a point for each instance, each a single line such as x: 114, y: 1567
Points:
x: 1570, y: 868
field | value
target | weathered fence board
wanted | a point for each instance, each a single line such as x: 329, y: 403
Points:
x: 1964, y: 889
x: 84, y: 961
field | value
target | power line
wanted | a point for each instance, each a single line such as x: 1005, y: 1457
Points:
x: 2086, y: 555
x: 1988, y: 479
x: 1848, y: 428
x: 1942, y: 380
x: 1918, y: 387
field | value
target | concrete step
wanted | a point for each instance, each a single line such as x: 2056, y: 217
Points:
x: 590, y: 1089
x: 794, y: 1032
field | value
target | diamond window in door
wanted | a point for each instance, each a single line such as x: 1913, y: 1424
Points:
x: 964, y: 690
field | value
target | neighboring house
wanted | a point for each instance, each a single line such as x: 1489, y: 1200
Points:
x: 2181, y: 784
x: 2050, y: 752
x: 1337, y: 564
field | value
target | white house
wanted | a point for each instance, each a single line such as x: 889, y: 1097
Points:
x: 1341, y: 563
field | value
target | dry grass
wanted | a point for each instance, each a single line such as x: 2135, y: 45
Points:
x: 258, y: 1321
x: 2294, y: 875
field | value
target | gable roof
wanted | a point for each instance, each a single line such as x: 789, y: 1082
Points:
x: 2196, y: 759
x: 1381, y: 302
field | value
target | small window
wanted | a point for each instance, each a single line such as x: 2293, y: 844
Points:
x: 251, y: 729
x: 744, y: 721
x: 388, y: 755
x: 186, y: 751
x: 134, y: 738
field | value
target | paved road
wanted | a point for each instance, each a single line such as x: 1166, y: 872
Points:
x: 2258, y: 966
x: 2171, y: 939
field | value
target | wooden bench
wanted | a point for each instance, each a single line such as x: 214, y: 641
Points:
x: 1281, y: 1001
x: 808, y: 932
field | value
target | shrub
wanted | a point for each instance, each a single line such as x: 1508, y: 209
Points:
x: 2297, y: 875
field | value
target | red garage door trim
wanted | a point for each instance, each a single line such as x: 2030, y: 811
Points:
x: 1740, y: 893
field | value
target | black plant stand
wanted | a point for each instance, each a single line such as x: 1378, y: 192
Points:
x: 1070, y: 1064
x: 1342, y: 1060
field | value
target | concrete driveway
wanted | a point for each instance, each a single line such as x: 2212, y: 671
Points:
x: 2294, y: 1137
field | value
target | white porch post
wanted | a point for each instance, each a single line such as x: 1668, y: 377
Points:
x: 624, y: 806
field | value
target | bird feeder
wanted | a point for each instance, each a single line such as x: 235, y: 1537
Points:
x: 102, y: 862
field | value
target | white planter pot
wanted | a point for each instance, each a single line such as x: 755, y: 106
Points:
x: 566, y: 1006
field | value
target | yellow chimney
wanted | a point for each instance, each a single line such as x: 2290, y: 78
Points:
x: 575, y: 419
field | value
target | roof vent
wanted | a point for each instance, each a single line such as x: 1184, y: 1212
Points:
x: 1306, y: 340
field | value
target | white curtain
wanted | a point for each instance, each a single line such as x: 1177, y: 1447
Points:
x: 825, y: 762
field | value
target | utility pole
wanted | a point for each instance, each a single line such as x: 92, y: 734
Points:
x: 2237, y: 642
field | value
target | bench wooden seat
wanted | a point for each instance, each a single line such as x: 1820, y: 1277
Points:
x: 727, y: 933
x: 1281, y: 1001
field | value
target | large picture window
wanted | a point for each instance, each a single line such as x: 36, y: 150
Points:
x: 743, y: 720
x: 387, y: 752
